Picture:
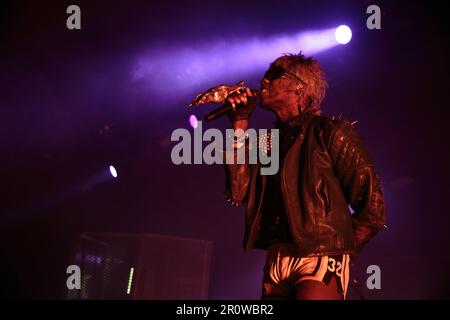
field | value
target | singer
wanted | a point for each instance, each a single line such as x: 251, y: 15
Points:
x: 301, y: 215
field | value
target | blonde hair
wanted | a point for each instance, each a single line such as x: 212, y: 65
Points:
x: 311, y: 73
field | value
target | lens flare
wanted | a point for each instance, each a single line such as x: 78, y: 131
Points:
x: 193, y: 121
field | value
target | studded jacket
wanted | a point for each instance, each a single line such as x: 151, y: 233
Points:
x: 325, y: 171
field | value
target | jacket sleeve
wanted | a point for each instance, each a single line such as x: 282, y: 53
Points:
x: 361, y: 186
x: 237, y: 180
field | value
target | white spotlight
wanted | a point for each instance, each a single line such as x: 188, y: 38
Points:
x: 343, y: 34
x: 113, y: 171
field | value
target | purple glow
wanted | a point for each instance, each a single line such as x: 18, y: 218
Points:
x: 193, y: 67
x: 193, y: 121
x: 93, y: 259
x: 343, y: 34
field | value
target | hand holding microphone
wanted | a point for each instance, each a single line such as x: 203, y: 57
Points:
x: 243, y: 103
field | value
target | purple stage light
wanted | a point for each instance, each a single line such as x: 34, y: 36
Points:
x: 343, y: 34
x: 193, y: 121
x: 187, y: 69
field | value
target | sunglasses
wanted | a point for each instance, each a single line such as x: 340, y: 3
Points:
x: 280, y: 72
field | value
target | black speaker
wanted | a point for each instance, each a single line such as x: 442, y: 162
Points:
x: 141, y: 266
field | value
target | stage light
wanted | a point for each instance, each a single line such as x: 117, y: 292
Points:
x: 189, y: 69
x: 343, y: 34
x: 130, y: 280
x: 193, y: 121
x: 113, y: 171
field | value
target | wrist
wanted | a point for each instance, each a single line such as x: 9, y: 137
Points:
x: 241, y: 124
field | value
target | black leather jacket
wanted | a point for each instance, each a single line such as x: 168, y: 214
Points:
x: 326, y: 169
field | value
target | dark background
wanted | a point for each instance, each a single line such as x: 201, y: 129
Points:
x: 68, y: 110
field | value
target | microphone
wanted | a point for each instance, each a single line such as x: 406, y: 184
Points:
x: 219, y: 112
x: 226, y: 108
